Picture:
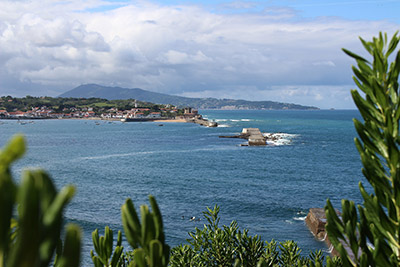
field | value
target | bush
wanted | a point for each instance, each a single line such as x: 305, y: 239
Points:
x: 372, y: 236
x: 228, y: 246
x: 32, y: 236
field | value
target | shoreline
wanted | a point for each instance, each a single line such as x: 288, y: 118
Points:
x: 172, y: 120
x: 91, y: 118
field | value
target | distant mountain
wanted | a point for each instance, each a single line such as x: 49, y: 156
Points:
x: 114, y: 93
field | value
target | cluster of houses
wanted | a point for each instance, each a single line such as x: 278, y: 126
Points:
x: 112, y: 113
x: 44, y: 113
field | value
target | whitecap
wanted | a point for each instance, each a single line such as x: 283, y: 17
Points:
x: 223, y: 125
x: 116, y: 155
x: 218, y: 120
x: 246, y: 120
x: 289, y: 221
x: 300, y: 218
x: 235, y: 120
x: 330, y: 249
x: 150, y: 152
x: 279, y: 139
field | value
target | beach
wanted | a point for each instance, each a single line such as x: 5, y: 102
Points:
x: 172, y: 120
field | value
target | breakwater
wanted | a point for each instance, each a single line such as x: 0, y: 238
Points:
x: 253, y: 135
x: 204, y: 122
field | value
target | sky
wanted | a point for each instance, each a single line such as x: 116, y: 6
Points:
x: 285, y: 51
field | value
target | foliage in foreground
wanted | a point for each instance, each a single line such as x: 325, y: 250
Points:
x: 146, y: 237
x: 228, y: 246
x: 30, y: 237
x: 372, y: 236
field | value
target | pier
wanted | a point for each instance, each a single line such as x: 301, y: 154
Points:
x: 253, y: 135
x: 204, y: 122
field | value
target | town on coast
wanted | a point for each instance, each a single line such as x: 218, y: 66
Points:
x: 95, y: 108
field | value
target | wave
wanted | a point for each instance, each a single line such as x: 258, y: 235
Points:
x: 223, y: 125
x: 279, y: 139
x: 117, y: 155
x: 151, y: 152
x: 300, y: 218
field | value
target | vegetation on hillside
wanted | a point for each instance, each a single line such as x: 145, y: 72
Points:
x: 65, y: 105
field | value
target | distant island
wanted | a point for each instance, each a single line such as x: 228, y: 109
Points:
x: 115, y: 93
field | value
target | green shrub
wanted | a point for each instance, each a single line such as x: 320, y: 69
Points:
x: 228, y: 246
x: 372, y: 236
x: 146, y: 237
x: 103, y: 246
x: 31, y: 236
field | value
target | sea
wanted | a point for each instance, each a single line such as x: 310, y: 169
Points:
x: 187, y: 167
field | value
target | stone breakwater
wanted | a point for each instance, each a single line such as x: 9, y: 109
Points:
x: 203, y: 122
x: 253, y: 135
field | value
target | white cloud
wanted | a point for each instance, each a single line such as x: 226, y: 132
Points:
x: 324, y: 63
x: 176, y: 57
x: 270, y: 55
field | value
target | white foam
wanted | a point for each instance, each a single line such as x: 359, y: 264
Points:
x: 300, y: 218
x: 116, y: 155
x: 217, y: 120
x: 150, y: 152
x: 279, y: 139
x: 330, y: 249
x: 223, y: 125
x: 246, y: 120
x: 235, y: 120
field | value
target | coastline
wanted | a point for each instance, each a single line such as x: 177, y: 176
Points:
x: 172, y: 120
x: 90, y: 118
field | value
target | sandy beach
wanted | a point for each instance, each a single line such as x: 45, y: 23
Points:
x: 177, y: 120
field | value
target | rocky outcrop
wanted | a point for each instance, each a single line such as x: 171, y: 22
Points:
x: 316, y: 221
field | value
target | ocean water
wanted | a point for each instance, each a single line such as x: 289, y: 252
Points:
x: 187, y: 167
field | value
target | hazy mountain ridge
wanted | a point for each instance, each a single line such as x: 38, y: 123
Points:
x: 114, y: 93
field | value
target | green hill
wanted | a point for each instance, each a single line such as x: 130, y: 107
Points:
x: 113, y: 93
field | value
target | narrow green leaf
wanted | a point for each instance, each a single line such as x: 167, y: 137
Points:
x: 355, y: 56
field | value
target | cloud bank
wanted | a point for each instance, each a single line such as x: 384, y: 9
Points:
x: 49, y: 47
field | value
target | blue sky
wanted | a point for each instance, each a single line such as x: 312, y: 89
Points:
x: 348, y: 9
x: 287, y: 51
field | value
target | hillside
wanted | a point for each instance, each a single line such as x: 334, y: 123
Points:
x: 113, y: 93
